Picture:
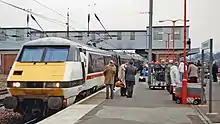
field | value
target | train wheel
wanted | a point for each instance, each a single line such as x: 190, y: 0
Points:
x: 88, y: 93
x: 92, y: 90
x: 79, y: 96
x: 178, y: 100
x: 95, y: 89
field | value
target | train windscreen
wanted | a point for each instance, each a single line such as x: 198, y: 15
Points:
x: 44, y: 54
x: 31, y: 54
x: 56, y: 54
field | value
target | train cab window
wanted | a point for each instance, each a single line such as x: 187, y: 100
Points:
x: 56, y: 54
x: 31, y: 54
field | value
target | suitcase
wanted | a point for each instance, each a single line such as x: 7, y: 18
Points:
x: 142, y: 79
x: 123, y: 91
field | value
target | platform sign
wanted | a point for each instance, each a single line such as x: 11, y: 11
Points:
x: 206, y: 45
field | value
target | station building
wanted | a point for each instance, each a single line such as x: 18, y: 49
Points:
x: 11, y: 39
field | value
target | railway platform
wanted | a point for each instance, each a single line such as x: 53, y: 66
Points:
x: 215, y: 116
x: 145, y: 107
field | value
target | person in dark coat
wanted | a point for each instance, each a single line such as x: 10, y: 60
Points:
x: 116, y: 75
x: 130, y: 73
x: 215, y: 71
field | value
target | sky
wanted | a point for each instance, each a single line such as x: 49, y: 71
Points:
x: 119, y: 14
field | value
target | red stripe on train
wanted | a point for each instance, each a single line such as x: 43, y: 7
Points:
x: 94, y: 76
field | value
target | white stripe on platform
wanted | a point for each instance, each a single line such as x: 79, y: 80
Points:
x: 69, y: 116
x: 73, y: 113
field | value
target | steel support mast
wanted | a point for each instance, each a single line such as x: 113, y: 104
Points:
x: 150, y: 39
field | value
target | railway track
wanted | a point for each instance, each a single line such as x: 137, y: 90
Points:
x: 32, y: 121
x: 3, y: 92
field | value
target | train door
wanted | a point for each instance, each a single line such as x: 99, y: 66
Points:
x: 83, y: 62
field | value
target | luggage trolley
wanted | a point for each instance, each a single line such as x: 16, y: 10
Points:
x: 158, y: 77
x: 193, y: 93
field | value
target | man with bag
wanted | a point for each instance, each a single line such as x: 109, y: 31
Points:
x: 121, y: 77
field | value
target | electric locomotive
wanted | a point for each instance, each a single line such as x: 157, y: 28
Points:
x: 49, y: 73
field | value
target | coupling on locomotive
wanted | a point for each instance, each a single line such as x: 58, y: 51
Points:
x: 49, y: 73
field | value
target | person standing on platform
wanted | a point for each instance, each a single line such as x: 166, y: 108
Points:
x: 193, y: 73
x: 215, y: 71
x: 121, y: 77
x: 116, y: 75
x: 181, y: 69
x: 174, y: 74
x: 130, y: 73
x: 109, y: 73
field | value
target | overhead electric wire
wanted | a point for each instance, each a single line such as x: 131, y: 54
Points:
x: 54, y: 12
x: 50, y: 19
x: 60, y: 15
x: 39, y: 15
x: 49, y: 8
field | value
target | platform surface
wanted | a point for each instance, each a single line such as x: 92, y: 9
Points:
x: 146, y: 107
x: 215, y: 116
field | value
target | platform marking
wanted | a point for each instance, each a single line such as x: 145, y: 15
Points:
x: 73, y: 113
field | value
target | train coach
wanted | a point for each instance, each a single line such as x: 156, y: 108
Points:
x: 50, y: 73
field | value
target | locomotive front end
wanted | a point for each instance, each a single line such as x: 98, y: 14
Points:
x: 44, y: 78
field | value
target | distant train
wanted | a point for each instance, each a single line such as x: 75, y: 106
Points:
x: 49, y: 73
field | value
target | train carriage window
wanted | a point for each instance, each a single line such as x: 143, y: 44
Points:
x: 56, y: 54
x: 107, y: 59
x: 31, y: 54
x: 96, y: 63
x: 114, y: 58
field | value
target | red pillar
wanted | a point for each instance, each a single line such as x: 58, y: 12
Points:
x: 184, y: 83
x: 184, y: 91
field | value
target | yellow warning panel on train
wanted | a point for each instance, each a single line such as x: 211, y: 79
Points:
x: 37, y: 71
x: 22, y: 92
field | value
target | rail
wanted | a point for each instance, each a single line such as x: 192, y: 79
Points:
x: 33, y: 121
x: 3, y: 92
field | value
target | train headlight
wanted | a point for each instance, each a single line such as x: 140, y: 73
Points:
x: 16, y: 84
x: 57, y: 84
x: 52, y: 85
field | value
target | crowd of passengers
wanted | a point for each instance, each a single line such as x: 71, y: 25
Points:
x: 126, y: 73
x: 176, y: 70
